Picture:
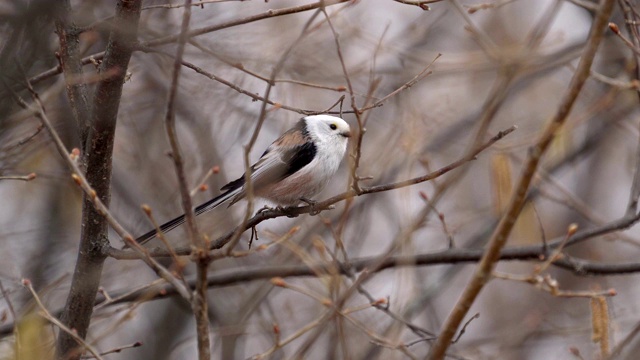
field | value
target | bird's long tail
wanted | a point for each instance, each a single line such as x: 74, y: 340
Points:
x: 200, y: 209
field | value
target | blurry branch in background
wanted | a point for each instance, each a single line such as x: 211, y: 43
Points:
x: 249, y: 19
x: 336, y: 267
x: 357, y: 112
x: 253, y: 96
x: 589, y: 5
x: 543, y: 281
x: 170, y: 39
x: 483, y: 271
x: 70, y: 159
x: 52, y: 319
x: 27, y: 177
x: 482, y: 38
x: 170, y: 127
x: 422, y: 4
x: 70, y: 65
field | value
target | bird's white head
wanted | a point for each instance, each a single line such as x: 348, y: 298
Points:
x: 327, y: 128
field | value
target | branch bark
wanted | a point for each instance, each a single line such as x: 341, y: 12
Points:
x: 99, y: 147
x: 71, y: 65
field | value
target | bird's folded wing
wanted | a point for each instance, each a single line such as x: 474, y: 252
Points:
x: 276, y: 165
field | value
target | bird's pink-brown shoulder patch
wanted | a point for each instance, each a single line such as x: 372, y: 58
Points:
x: 293, y: 137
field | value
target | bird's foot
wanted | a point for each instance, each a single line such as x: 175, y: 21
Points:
x: 277, y: 208
x: 263, y: 209
x: 312, y: 204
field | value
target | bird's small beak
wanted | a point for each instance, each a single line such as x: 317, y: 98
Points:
x: 346, y: 134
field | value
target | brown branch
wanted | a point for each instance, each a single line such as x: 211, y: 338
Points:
x: 265, y: 15
x: 47, y: 74
x: 585, y: 4
x: 27, y: 177
x: 177, y: 6
x: 616, y: 352
x: 354, y: 106
x: 422, y: 4
x: 482, y: 38
x: 501, y: 234
x: 199, y: 304
x: 170, y: 127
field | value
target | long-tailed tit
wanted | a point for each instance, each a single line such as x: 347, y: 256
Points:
x: 295, y: 167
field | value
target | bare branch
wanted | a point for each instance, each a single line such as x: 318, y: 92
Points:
x: 28, y: 177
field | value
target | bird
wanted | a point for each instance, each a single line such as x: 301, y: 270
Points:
x: 294, y: 168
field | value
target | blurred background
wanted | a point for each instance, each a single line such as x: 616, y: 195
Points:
x: 502, y: 63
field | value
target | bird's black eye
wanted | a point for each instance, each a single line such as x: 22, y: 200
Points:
x: 333, y: 126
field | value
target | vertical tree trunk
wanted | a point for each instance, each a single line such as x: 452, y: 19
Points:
x: 99, y: 147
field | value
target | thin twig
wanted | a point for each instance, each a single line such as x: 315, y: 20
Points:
x: 5, y: 295
x: 422, y: 4
x: 118, y: 349
x: 616, y: 30
x: 28, y: 177
x: 357, y: 112
x: 170, y: 126
x: 25, y: 139
x: 199, y: 303
x: 265, y: 15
